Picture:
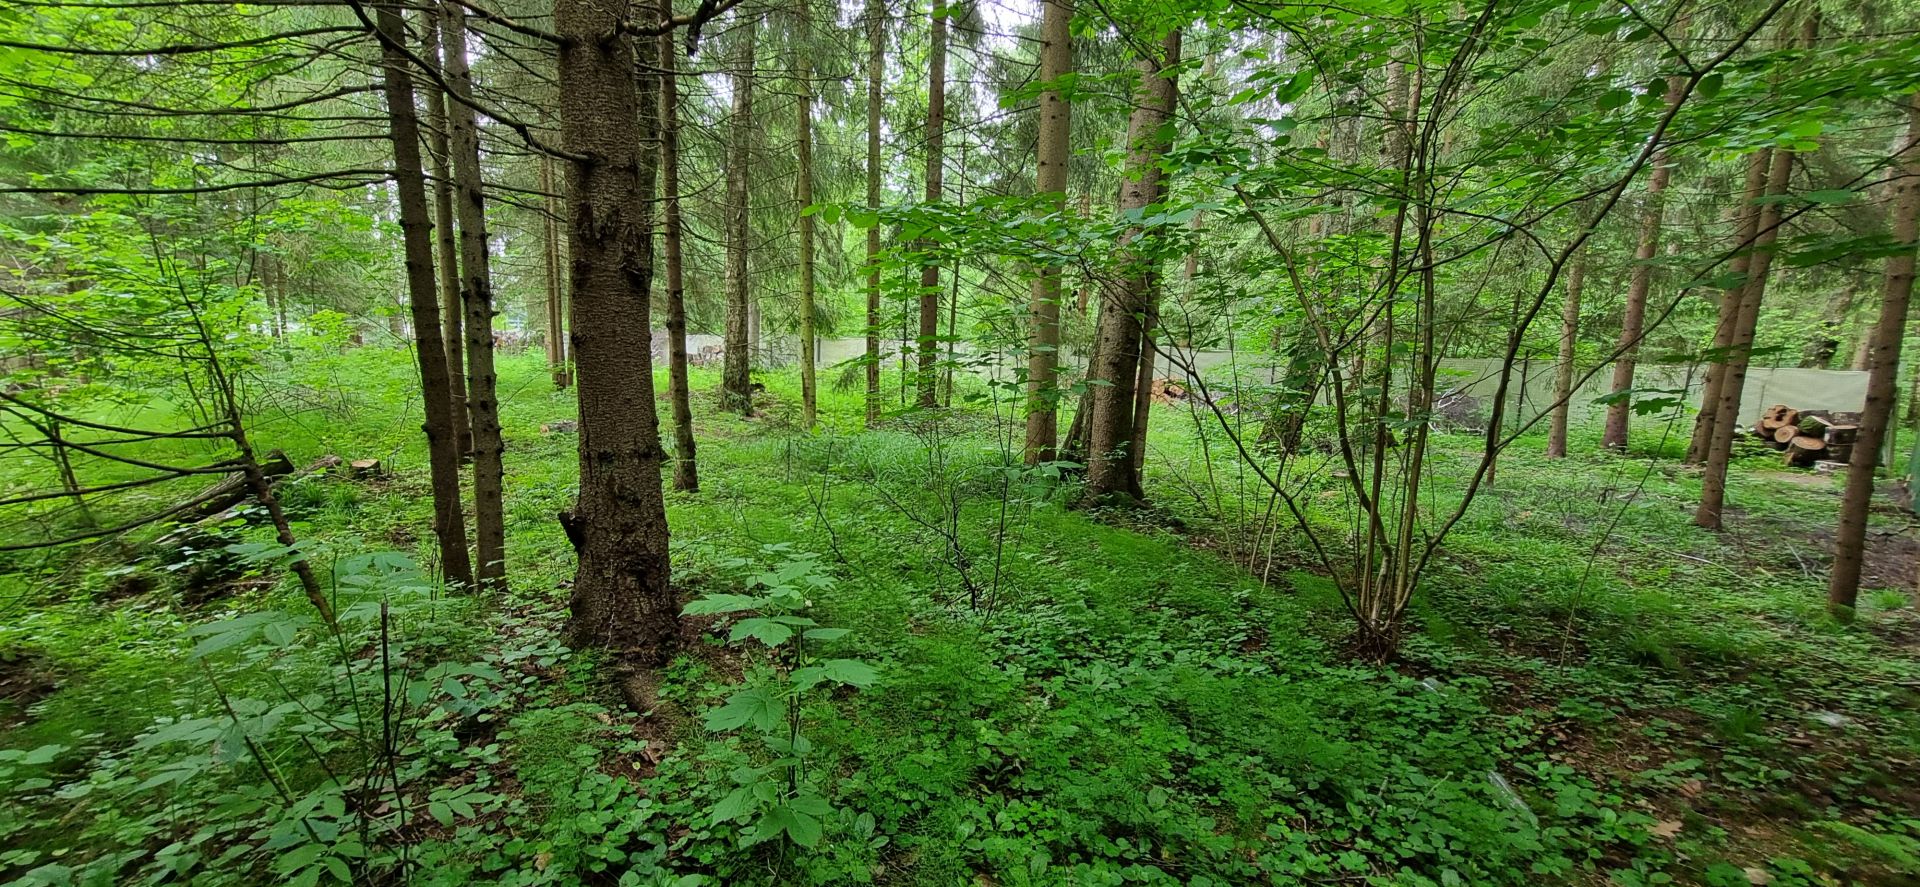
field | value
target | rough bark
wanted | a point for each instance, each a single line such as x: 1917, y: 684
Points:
x: 448, y: 255
x: 1127, y: 298
x: 1640, y: 283
x: 686, y: 473
x: 1896, y: 292
x: 1563, y: 367
x: 1050, y: 182
x: 929, y: 378
x: 476, y: 293
x: 803, y: 187
x: 622, y: 599
x: 876, y: 69
x: 416, y: 233
x: 1747, y: 231
x: 736, y: 383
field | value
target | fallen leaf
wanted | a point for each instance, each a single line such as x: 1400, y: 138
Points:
x: 1759, y: 876
x: 1665, y: 828
x: 1692, y: 788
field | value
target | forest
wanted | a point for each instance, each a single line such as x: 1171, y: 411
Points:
x: 959, y: 442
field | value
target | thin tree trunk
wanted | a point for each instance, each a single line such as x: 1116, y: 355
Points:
x: 439, y: 145
x: 686, y: 474
x: 1825, y: 341
x: 930, y: 269
x: 1640, y: 283
x: 1143, y: 393
x: 1563, y: 369
x: 803, y: 127
x: 476, y: 291
x: 556, y: 303
x: 622, y: 598
x: 1733, y: 379
x: 1843, y: 586
x: 416, y: 233
x: 876, y: 69
x: 1127, y: 301
x: 1748, y: 231
x: 736, y: 382
x: 1050, y: 182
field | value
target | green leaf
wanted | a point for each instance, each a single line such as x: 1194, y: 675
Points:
x: 756, y: 706
x: 851, y: 672
x: 766, y: 631
x: 803, y: 829
x: 827, y: 634
x: 298, y: 858
x: 1709, y: 85
x: 736, y: 805
x: 721, y: 603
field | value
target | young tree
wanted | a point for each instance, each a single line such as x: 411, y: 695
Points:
x: 929, y: 378
x: 1127, y: 303
x: 1563, y: 367
x: 686, y: 473
x: 736, y: 382
x: 416, y: 234
x: 1640, y: 279
x: 1896, y: 292
x: 876, y: 15
x: 1050, y: 182
x: 803, y: 192
x: 476, y: 292
x: 1747, y: 231
x: 439, y: 145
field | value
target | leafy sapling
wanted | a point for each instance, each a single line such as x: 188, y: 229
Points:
x: 777, y: 796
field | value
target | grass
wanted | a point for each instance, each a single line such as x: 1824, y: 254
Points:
x: 1595, y: 690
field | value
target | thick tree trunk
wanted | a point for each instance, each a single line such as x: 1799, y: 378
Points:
x: 1640, y: 283
x: 736, y: 382
x: 1050, y: 182
x: 1843, y: 586
x: 876, y: 69
x: 439, y: 144
x: 1733, y: 378
x: 803, y: 129
x: 929, y: 379
x: 416, y: 233
x: 1747, y: 232
x: 686, y: 474
x: 622, y: 599
x: 1127, y: 301
x: 476, y: 291
x: 1563, y: 367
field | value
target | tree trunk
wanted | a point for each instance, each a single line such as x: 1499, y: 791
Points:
x: 622, y: 599
x: 556, y: 292
x: 686, y: 474
x: 1733, y: 378
x: 876, y: 69
x: 803, y: 128
x: 1127, y: 300
x: 1049, y: 182
x: 416, y: 233
x: 930, y: 269
x: 736, y: 383
x: 448, y: 256
x: 1563, y: 368
x: 1640, y: 282
x: 476, y: 291
x: 1748, y: 231
x: 1843, y: 586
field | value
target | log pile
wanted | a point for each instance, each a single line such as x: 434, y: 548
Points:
x: 1808, y: 437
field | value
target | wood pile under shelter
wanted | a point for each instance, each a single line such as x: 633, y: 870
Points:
x: 1808, y: 436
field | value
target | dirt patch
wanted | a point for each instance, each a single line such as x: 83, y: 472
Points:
x: 1892, y: 556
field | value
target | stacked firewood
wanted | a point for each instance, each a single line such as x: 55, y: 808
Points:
x: 1808, y: 437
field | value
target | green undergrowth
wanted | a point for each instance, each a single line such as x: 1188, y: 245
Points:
x: 1592, y: 691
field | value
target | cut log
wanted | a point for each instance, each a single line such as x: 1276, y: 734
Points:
x: 1785, y: 434
x: 1813, y: 423
x: 1804, y: 450
x: 364, y: 468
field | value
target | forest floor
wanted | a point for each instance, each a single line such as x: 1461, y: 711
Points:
x: 1592, y: 691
